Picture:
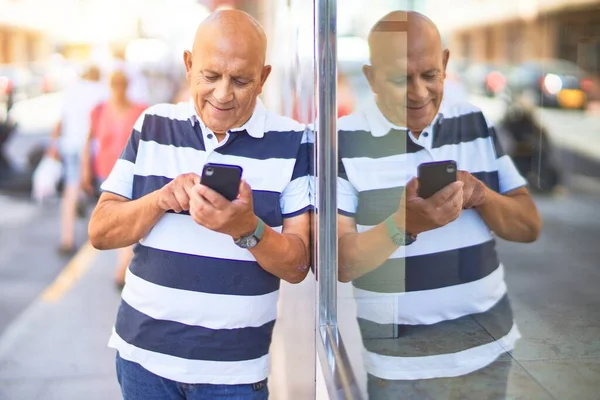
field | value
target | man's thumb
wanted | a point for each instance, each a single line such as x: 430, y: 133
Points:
x: 196, y: 179
x: 412, y: 187
x: 245, y: 190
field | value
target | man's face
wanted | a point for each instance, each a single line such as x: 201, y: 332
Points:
x: 225, y: 79
x: 408, y: 80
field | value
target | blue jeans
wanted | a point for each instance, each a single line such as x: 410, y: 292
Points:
x: 138, y: 383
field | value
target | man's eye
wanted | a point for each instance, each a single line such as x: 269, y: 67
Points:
x: 430, y: 77
x: 240, y: 82
x: 398, y: 81
x: 211, y: 78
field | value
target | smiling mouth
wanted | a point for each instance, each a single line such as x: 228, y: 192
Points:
x: 418, y: 108
x: 218, y: 108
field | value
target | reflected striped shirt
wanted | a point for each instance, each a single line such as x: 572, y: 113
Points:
x: 439, y: 307
x: 196, y: 308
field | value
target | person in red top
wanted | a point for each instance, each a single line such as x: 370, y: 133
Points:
x: 111, y: 125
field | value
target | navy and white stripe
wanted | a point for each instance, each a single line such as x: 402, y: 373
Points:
x: 446, y: 287
x: 196, y: 308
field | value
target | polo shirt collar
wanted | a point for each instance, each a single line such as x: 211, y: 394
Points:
x: 380, y: 126
x: 255, y: 126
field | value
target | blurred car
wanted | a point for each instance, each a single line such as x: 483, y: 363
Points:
x: 488, y: 79
x: 550, y: 83
x: 16, y: 83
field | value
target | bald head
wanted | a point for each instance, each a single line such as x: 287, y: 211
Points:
x: 399, y: 33
x: 226, y: 69
x: 408, y: 67
x: 234, y: 27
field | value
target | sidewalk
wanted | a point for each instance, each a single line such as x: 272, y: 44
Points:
x: 56, y: 349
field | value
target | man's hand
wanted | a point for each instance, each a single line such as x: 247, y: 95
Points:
x: 474, y: 191
x: 211, y: 210
x: 175, y: 195
x: 420, y: 215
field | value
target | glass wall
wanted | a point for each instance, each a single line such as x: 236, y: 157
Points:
x: 486, y: 288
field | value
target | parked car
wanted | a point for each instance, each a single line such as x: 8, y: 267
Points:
x: 550, y: 83
x: 16, y: 83
x: 488, y: 79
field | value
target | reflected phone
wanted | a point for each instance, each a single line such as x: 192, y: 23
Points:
x: 222, y: 178
x: 434, y: 176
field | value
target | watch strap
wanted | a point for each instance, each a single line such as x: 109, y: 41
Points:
x: 260, y: 229
x: 392, y: 229
x: 396, y: 235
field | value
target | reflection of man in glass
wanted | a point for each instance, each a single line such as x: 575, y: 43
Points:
x: 430, y: 291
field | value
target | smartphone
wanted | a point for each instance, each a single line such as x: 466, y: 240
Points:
x: 222, y: 178
x: 434, y: 176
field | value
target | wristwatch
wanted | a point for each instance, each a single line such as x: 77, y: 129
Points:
x: 251, y: 240
x: 398, y: 237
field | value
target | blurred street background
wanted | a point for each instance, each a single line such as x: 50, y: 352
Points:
x: 533, y: 66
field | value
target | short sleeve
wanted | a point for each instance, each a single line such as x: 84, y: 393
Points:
x: 346, y: 193
x: 120, y: 179
x: 509, y: 177
x: 296, y: 197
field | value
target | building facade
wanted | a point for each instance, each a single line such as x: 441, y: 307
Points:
x: 513, y: 31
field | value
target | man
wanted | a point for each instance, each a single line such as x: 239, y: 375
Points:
x: 430, y: 292
x: 68, y: 140
x: 199, y: 303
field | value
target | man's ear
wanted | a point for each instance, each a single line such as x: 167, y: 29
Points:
x: 187, y: 60
x: 370, y: 75
x: 446, y: 57
x: 266, y: 71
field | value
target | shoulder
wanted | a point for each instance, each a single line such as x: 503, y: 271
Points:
x: 464, y: 110
x: 161, y: 114
x: 355, y: 122
x: 178, y: 111
x: 279, y: 123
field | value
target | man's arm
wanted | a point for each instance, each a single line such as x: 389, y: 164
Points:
x: 363, y: 252
x: 119, y: 222
x: 512, y: 216
x: 509, y: 212
x: 52, y: 151
x: 87, y: 175
x: 286, y: 255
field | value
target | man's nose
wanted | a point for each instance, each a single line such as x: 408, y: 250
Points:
x: 417, y: 90
x: 223, y: 91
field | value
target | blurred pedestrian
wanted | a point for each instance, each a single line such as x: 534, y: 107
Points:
x: 111, y: 125
x: 138, y: 88
x: 68, y: 140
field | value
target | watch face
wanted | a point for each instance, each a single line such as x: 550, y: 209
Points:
x: 402, y: 239
x: 251, y: 242
x: 247, y: 242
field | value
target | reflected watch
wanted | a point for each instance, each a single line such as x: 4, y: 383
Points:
x: 251, y: 240
x: 399, y: 237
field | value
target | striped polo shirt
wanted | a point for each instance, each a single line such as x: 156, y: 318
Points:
x: 438, y: 307
x: 196, y: 308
